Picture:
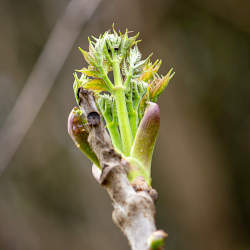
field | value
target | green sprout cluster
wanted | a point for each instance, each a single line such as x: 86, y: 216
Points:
x: 123, y: 84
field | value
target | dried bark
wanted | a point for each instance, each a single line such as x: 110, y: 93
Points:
x: 134, y: 207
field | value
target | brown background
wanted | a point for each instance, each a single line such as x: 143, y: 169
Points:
x: 48, y: 197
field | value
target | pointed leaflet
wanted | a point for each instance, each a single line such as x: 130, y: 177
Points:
x: 143, y: 147
x: 90, y: 71
x: 78, y: 83
x: 159, y: 84
x: 79, y: 134
x: 87, y: 56
x: 150, y: 70
x: 96, y: 85
x: 155, y: 88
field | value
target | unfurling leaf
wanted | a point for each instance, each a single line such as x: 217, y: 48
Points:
x: 150, y: 70
x: 78, y: 83
x: 87, y: 56
x: 89, y: 72
x: 125, y: 87
x: 79, y: 134
x: 96, y: 85
x: 159, y: 84
x: 131, y: 41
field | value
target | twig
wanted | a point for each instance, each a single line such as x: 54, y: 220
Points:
x: 133, y: 210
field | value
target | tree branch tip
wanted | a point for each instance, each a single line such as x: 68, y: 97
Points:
x: 121, y: 130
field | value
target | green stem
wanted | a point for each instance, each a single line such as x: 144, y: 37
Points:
x: 122, y: 112
x: 127, y: 82
x: 106, y: 80
x: 115, y: 135
x: 113, y: 130
x: 133, y: 122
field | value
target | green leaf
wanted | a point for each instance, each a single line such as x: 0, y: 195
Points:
x: 131, y: 41
x: 105, y: 104
x: 142, y: 63
x: 150, y: 70
x: 96, y: 85
x: 87, y: 56
x: 159, y: 84
x: 134, y: 56
x: 89, y: 72
x: 78, y: 83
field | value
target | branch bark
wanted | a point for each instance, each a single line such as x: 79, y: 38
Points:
x: 134, y: 207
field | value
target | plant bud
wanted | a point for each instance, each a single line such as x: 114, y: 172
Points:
x: 79, y: 134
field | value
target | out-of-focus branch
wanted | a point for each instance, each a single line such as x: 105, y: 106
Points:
x: 133, y: 210
x: 43, y: 75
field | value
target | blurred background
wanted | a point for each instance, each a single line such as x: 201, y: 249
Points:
x: 48, y: 197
